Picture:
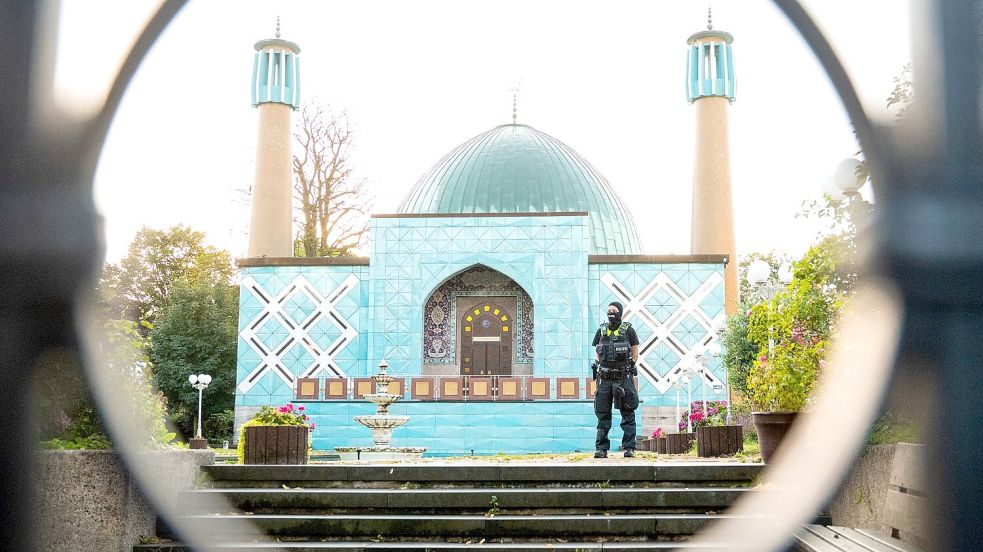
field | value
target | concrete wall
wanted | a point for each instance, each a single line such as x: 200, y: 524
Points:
x: 861, y: 501
x: 88, y: 501
x: 861, y: 498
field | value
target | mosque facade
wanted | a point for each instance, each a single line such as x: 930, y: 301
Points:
x: 482, y: 293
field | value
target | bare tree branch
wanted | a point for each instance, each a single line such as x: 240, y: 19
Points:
x: 332, y: 205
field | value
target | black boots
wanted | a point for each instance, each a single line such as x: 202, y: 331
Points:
x: 601, y: 454
x: 629, y: 453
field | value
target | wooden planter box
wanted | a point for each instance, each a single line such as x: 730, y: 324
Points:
x: 644, y: 443
x: 275, y: 445
x: 719, y: 440
x: 679, y: 443
x: 660, y: 445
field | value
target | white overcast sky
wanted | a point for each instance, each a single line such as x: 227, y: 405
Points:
x: 417, y: 78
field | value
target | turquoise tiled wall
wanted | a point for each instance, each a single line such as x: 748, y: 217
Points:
x: 546, y: 255
x: 486, y: 428
x: 296, y: 293
x: 672, y: 307
x: 381, y: 307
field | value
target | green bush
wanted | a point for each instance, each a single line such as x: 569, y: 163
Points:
x: 793, y: 331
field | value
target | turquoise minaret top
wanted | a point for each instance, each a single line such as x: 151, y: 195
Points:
x: 276, y: 72
x: 710, y: 64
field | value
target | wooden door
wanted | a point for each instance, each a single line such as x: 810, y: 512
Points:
x: 485, y: 332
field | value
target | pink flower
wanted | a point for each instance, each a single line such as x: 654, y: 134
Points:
x: 301, y: 407
x: 283, y: 409
x: 312, y: 426
x: 657, y: 433
x: 696, y: 416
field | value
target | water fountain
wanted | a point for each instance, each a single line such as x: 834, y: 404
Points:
x: 382, y: 424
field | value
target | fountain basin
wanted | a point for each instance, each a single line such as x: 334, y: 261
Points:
x: 374, y: 454
x: 381, y: 422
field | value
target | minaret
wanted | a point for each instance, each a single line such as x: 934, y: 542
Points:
x: 710, y: 88
x: 275, y: 93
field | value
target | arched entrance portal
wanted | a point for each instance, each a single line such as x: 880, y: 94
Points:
x: 486, y: 344
x: 486, y: 341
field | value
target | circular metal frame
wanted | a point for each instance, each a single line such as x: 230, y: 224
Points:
x: 787, y: 497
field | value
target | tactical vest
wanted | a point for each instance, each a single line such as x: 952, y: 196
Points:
x: 613, y: 349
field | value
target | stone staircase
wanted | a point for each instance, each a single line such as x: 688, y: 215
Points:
x: 610, y: 505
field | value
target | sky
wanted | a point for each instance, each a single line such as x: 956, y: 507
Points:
x: 418, y: 78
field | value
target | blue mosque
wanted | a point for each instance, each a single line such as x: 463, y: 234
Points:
x: 483, y: 290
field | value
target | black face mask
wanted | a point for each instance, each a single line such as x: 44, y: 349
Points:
x: 614, y: 319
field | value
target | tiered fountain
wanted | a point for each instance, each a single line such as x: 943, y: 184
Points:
x: 382, y: 424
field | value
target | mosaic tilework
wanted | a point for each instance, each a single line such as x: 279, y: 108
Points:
x: 485, y: 428
x: 545, y: 255
x: 298, y: 322
x: 672, y: 308
x: 440, y: 314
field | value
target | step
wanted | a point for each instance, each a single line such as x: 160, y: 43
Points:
x: 261, y: 500
x: 467, y: 546
x: 709, y: 473
x: 454, y: 526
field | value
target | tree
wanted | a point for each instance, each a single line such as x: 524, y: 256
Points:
x: 332, y: 202
x: 139, y: 287
x: 74, y: 423
x: 792, y: 331
x: 194, y: 334
x: 903, y: 94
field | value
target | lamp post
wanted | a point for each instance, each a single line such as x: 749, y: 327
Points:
x: 718, y: 328
x: 847, y: 179
x: 677, y: 386
x: 714, y: 351
x: 199, y: 382
x: 759, y: 275
x: 689, y: 398
x: 700, y: 363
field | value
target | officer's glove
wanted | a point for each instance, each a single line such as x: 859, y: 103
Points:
x: 593, y: 371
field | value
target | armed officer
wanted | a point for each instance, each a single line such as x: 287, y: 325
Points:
x: 616, y: 348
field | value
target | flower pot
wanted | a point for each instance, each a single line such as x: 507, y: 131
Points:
x: 275, y: 445
x: 660, y: 445
x: 771, y: 427
x: 679, y: 443
x: 719, y: 440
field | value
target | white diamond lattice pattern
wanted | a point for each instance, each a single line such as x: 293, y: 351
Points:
x: 276, y: 308
x: 688, y: 307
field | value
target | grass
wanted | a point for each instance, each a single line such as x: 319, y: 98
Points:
x: 887, y: 431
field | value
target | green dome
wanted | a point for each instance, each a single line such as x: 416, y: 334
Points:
x: 518, y: 169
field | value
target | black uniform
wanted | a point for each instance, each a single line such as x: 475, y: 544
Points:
x: 615, y: 383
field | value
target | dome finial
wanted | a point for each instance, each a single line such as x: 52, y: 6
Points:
x: 278, y: 26
x: 709, y: 19
x: 515, y: 101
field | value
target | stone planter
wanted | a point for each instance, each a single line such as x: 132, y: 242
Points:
x: 679, y: 443
x: 719, y: 440
x: 87, y: 501
x: 771, y: 427
x: 275, y: 445
x: 660, y: 445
